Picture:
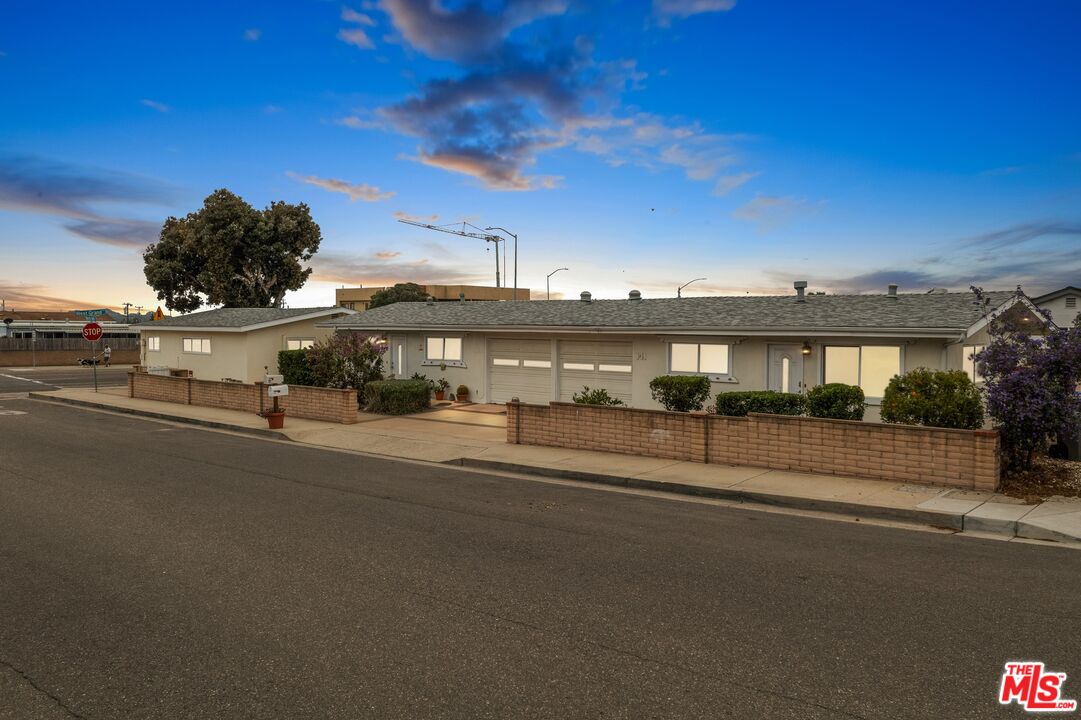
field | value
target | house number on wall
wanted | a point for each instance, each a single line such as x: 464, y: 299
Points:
x: 641, y: 356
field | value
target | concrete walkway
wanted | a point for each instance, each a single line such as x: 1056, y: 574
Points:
x: 476, y: 439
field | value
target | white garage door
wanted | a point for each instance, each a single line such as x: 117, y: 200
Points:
x: 521, y: 369
x: 595, y: 365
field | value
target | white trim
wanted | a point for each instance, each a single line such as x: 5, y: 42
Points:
x: 986, y: 319
x: 732, y: 335
x: 150, y: 326
x: 726, y: 377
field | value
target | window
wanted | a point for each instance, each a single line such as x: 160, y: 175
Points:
x: 698, y: 358
x: 869, y: 366
x: 505, y: 362
x: 577, y: 366
x: 444, y: 349
x: 968, y: 364
x: 299, y: 343
x: 537, y: 363
x: 197, y: 345
x: 349, y: 305
x: 614, y: 368
x: 153, y: 344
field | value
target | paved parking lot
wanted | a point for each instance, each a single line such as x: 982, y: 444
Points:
x: 20, y: 380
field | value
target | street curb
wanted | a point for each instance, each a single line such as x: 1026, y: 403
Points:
x: 933, y: 518
x: 161, y: 416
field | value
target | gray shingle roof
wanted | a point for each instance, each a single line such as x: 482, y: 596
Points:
x: 234, y: 317
x: 940, y: 311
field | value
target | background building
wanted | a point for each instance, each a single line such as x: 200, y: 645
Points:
x: 358, y: 298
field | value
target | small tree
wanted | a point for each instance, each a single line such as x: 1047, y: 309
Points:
x: 837, y: 401
x: 935, y: 398
x: 597, y: 396
x: 680, y: 393
x: 402, y: 292
x: 346, y: 360
x: 1030, y: 381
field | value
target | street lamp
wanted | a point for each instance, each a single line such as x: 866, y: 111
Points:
x: 679, y: 290
x: 512, y: 235
x: 548, y: 284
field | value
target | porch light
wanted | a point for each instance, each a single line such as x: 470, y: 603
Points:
x: 806, y: 349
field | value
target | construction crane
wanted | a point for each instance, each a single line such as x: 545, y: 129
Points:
x: 482, y: 235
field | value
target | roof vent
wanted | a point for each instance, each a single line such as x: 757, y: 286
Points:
x: 937, y: 291
x: 891, y: 291
x: 461, y: 297
x: 430, y: 300
x: 800, y: 286
x: 586, y: 296
x: 634, y: 295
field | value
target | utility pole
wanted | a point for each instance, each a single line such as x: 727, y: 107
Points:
x: 464, y: 233
x: 508, y: 232
x: 548, y: 283
x: 679, y: 290
x: 126, y: 306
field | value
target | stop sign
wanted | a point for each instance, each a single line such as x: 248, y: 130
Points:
x: 92, y: 331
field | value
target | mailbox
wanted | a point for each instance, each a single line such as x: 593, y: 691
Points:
x: 277, y: 391
x: 273, y: 379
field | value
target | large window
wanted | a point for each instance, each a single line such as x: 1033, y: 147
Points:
x: 869, y: 366
x: 699, y: 358
x: 444, y: 349
x: 153, y: 344
x: 197, y: 345
x: 299, y: 343
x: 968, y: 364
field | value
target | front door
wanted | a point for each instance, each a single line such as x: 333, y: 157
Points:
x: 785, y: 368
x: 397, y: 357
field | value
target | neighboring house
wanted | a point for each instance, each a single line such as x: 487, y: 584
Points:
x: 542, y: 351
x: 359, y: 298
x: 232, y: 343
x: 1064, y: 305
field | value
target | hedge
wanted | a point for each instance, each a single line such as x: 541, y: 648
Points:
x: 397, y: 397
x: 293, y: 364
x: 681, y: 393
x: 599, y: 396
x: 759, y: 401
x: 836, y: 400
x: 936, y: 398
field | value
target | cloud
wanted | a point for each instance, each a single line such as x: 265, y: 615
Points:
x: 33, y: 185
x: 356, y: 122
x: 353, y: 269
x: 768, y: 211
x: 387, y: 254
x: 24, y: 296
x: 355, y: 35
x: 367, y: 193
x: 728, y: 183
x: 667, y: 10
x: 253, y: 34
x: 469, y: 34
x: 273, y: 109
x: 1022, y: 233
x: 402, y: 215
x: 352, y: 16
x: 155, y: 105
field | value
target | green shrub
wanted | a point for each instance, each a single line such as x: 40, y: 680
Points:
x: 759, y: 401
x: 681, y: 393
x: 936, y: 398
x: 397, y: 397
x: 837, y: 401
x: 599, y: 396
x: 294, y: 366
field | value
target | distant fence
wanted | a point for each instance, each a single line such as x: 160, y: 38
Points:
x: 78, y: 344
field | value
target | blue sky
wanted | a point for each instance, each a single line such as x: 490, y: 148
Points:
x: 641, y: 145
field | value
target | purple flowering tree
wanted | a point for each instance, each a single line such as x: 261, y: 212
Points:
x: 1030, y: 381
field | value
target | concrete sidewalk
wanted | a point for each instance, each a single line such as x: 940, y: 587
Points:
x: 478, y: 440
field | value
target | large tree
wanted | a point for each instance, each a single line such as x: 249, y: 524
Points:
x: 228, y: 253
x: 402, y: 292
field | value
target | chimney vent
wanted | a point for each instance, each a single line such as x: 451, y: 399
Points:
x: 586, y: 296
x: 430, y: 300
x: 891, y: 291
x: 461, y: 297
x: 634, y: 295
x: 801, y: 286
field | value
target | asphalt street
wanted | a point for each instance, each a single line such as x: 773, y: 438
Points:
x: 20, y: 380
x: 155, y: 571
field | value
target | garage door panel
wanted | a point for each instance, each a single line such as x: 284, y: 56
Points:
x: 595, y: 364
x: 521, y: 369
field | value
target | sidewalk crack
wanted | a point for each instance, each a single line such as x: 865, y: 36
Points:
x: 25, y: 676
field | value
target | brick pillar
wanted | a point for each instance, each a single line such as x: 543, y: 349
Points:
x: 514, y: 422
x: 986, y: 460
x: 131, y: 383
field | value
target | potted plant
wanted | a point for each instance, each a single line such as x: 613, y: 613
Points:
x: 463, y: 393
x: 275, y: 416
x: 441, y: 387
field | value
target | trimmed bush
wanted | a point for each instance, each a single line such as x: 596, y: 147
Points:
x: 397, y: 397
x: 759, y: 401
x: 293, y: 365
x: 599, y: 396
x: 681, y: 393
x: 837, y: 401
x: 936, y: 398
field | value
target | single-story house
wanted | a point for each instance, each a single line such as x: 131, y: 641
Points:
x: 541, y: 351
x: 1064, y: 305
x: 232, y: 343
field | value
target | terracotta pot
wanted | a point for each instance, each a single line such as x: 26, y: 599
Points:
x: 463, y: 397
x: 276, y: 420
x: 440, y: 394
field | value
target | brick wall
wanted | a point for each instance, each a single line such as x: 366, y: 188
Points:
x: 46, y: 358
x: 959, y: 458
x: 312, y: 403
